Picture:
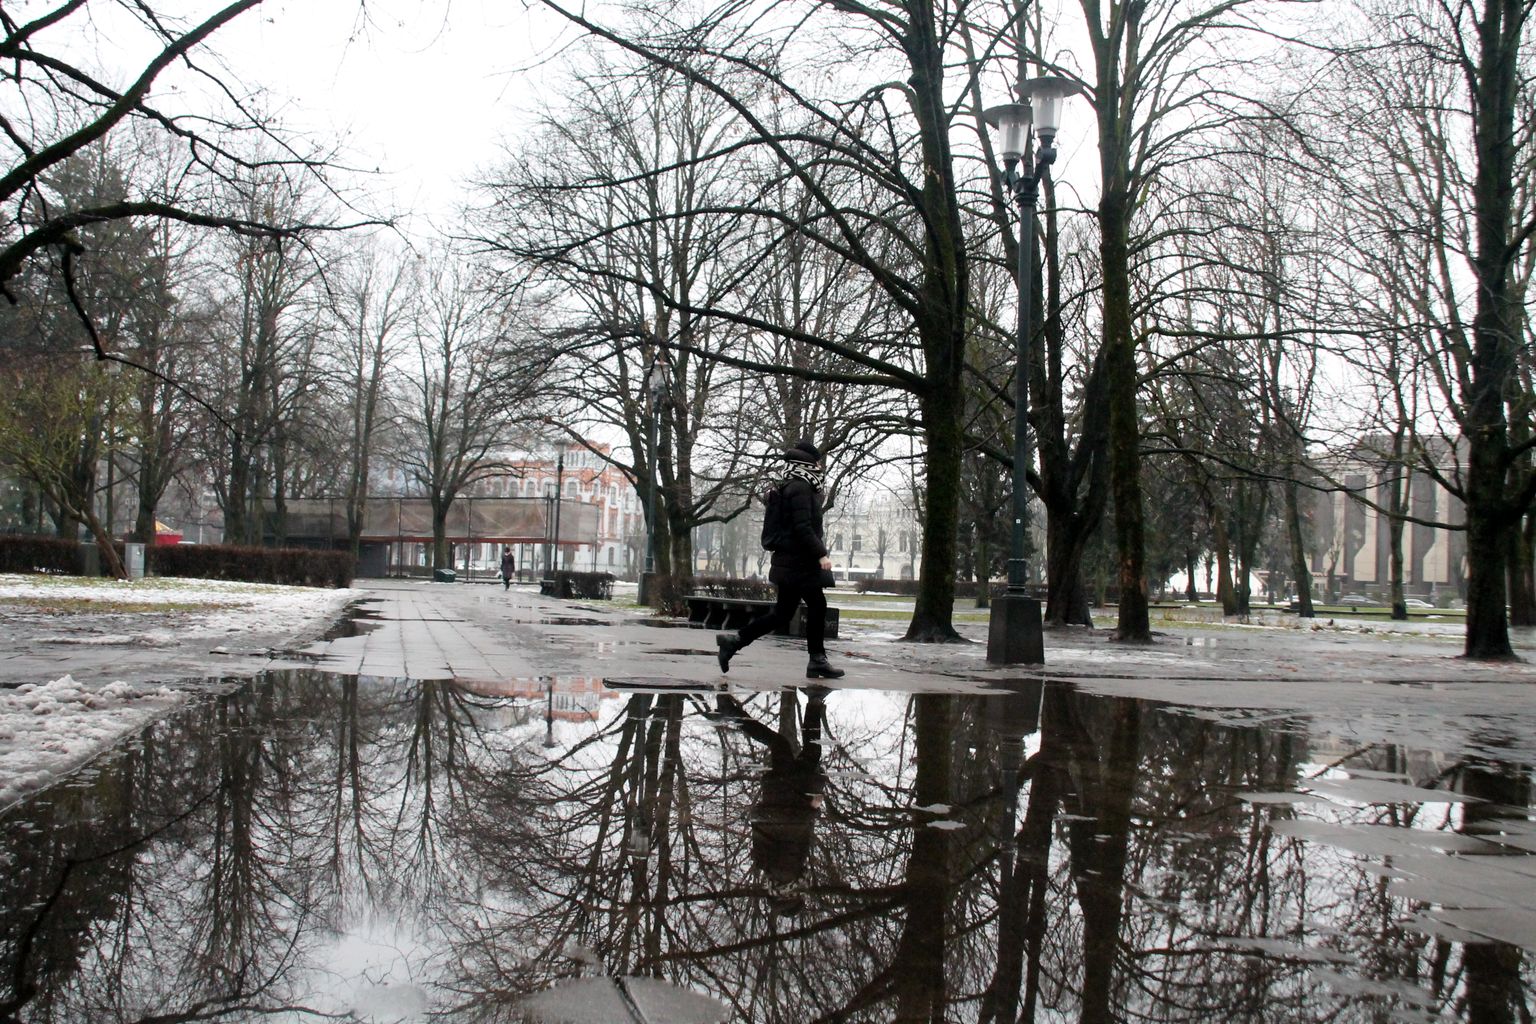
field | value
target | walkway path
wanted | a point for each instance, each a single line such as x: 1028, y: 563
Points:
x: 1363, y: 688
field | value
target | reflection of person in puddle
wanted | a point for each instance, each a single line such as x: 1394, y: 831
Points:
x: 784, y: 817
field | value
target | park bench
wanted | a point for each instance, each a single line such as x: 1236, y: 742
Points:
x: 708, y: 611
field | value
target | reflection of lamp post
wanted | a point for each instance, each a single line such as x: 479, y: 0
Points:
x: 656, y: 392
x: 1014, y: 635
x: 1013, y: 716
x: 549, y: 712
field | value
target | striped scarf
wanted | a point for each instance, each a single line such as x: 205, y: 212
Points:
x: 804, y: 471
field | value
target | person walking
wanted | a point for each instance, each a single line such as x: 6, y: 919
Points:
x: 508, y: 568
x: 800, y: 567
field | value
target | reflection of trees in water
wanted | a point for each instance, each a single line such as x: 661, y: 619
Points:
x: 1109, y: 875
x: 1495, y: 991
x: 1160, y: 874
x: 1152, y: 851
x: 205, y: 871
x: 211, y: 923
x: 637, y: 855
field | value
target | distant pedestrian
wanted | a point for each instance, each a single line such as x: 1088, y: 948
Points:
x: 508, y: 568
x: 792, y: 530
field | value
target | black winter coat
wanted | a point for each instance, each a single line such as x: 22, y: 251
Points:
x: 798, y: 563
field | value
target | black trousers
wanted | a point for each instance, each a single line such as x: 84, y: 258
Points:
x: 790, y: 596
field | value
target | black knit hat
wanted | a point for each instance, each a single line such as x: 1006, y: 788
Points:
x: 803, y: 451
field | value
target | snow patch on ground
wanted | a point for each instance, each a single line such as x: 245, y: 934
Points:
x: 204, y: 607
x: 51, y: 728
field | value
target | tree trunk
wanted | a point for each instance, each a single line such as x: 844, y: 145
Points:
x: 1517, y: 583
x: 110, y: 563
x: 933, y: 612
x: 1495, y: 328
x: 1067, y: 599
x: 1301, y: 571
x: 1395, y: 569
x: 942, y: 321
x: 1124, y: 429
x: 982, y: 571
x: 236, y: 493
x: 1072, y: 512
x: 1223, y: 544
x: 1522, y: 575
x: 441, y: 557
x: 1249, y: 531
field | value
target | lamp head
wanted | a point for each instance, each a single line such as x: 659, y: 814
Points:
x: 1011, y: 122
x: 1046, y: 96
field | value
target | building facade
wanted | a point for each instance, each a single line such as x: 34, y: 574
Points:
x: 582, y: 476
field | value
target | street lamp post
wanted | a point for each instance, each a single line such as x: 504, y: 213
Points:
x: 656, y: 392
x: 559, y: 494
x: 1014, y: 636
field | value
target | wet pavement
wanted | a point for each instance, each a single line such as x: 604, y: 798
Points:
x: 472, y: 797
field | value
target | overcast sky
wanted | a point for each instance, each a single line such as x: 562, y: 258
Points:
x: 424, y: 91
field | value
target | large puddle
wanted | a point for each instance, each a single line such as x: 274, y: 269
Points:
x: 321, y: 844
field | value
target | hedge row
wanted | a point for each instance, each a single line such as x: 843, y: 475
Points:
x: 669, y: 594
x: 39, y: 554
x: 291, y: 566
x: 908, y: 588
x: 592, y: 586
x: 301, y: 567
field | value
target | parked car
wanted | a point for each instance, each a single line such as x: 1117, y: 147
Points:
x: 1354, y: 599
x: 1414, y: 602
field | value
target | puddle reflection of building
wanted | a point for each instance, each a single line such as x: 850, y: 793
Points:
x: 575, y: 699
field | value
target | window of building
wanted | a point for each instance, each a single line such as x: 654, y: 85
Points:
x: 837, y: 542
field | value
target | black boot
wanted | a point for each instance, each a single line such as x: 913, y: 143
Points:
x: 728, y: 644
x: 821, y: 668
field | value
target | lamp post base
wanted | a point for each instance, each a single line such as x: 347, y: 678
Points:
x: 1014, y: 636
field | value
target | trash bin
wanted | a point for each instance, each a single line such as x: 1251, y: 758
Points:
x: 133, y: 560
x: 444, y: 575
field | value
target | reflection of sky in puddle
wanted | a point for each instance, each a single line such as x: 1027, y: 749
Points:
x: 1460, y: 861
x: 394, y: 849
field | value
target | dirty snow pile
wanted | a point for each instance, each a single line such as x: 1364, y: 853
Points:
x: 47, y: 729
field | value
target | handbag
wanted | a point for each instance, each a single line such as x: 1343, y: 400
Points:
x: 828, y: 581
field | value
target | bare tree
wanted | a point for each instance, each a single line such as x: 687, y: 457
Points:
x: 891, y: 212
x: 58, y: 107
x: 1447, y: 171
x: 611, y: 212
x: 1153, y: 84
x: 371, y: 303
x: 259, y: 362
x: 457, y: 406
